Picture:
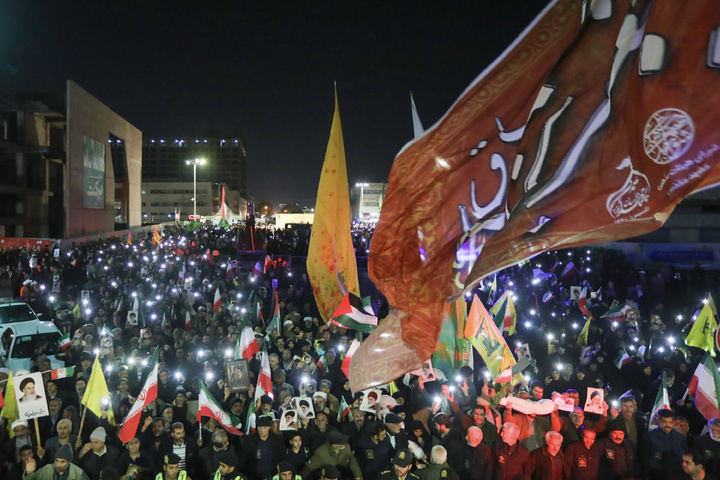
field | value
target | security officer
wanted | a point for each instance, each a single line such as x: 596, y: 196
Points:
x: 228, y: 466
x: 171, y: 469
x: 329, y: 472
x: 402, y: 463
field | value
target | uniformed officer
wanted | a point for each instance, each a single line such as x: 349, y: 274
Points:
x: 171, y: 469
x: 228, y: 466
x: 402, y: 463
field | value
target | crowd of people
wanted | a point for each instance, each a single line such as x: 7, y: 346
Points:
x: 452, y: 423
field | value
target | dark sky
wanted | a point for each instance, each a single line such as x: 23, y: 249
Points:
x: 266, y: 68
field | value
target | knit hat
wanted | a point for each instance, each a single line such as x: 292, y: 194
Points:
x: 264, y: 421
x: 615, y: 425
x: 64, y: 453
x: 228, y: 457
x: 393, y: 418
x: 98, y: 434
x: 285, y: 467
x: 266, y: 400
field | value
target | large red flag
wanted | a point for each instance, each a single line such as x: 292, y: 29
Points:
x: 591, y: 127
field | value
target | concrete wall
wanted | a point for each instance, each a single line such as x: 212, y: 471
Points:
x: 88, y: 117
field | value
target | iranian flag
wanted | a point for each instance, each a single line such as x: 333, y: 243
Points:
x: 209, y: 407
x: 59, y: 373
x: 348, y: 357
x: 662, y: 401
x: 355, y: 314
x: 582, y: 301
x: 217, y: 303
x: 568, y: 270
x: 264, y: 383
x: 188, y: 322
x: 622, y: 359
x: 274, y: 323
x: 322, y: 363
x: 548, y: 296
x: 65, y: 341
x: 247, y: 346
x: 344, y: 410
x: 504, y: 376
x: 257, y: 269
x: 704, y: 386
x: 147, y: 395
x: 617, y: 312
x: 250, y: 420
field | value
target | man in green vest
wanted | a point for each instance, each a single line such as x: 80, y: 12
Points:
x: 171, y: 469
x: 228, y: 466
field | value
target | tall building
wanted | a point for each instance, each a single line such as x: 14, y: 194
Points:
x: 366, y: 201
x: 164, y: 160
x: 70, y: 165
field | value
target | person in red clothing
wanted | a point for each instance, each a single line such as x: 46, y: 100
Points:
x: 548, y: 462
x: 510, y: 457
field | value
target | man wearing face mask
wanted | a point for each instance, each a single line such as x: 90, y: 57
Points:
x: 709, y: 444
x: 62, y: 468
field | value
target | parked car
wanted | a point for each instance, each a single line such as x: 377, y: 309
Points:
x: 19, y: 341
x: 14, y: 312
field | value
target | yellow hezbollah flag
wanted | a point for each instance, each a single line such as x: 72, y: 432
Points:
x: 10, y: 410
x: 482, y: 332
x: 331, y: 256
x: 702, y: 333
x: 157, y: 238
x: 583, y: 337
x: 97, y: 394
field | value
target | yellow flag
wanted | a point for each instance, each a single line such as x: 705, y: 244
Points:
x: 10, y: 410
x: 157, y: 238
x: 702, y: 333
x: 582, y: 339
x: 331, y: 257
x: 97, y: 394
x: 484, y: 335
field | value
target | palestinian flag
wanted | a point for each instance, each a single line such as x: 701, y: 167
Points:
x: 344, y: 410
x: 209, y: 407
x: 354, y: 314
x: 622, y: 359
x: 147, y: 396
x: 704, y: 386
x: 247, y: 346
x: 662, y: 401
x: 345, y: 367
x: 60, y: 373
x: 64, y: 341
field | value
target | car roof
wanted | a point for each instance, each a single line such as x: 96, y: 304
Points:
x: 33, y: 327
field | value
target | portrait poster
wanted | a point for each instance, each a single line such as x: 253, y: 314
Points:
x: 370, y: 398
x: 426, y: 373
x: 575, y: 292
x: 305, y: 407
x: 107, y: 345
x: 94, y: 174
x: 289, y: 420
x: 30, y: 394
x: 595, y: 400
x: 132, y: 317
x: 237, y: 375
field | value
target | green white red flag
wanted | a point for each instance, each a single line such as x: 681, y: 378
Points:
x: 662, y: 401
x: 60, y: 373
x: 344, y: 410
x: 247, y: 346
x: 147, y: 395
x: 209, y: 407
x: 704, y: 387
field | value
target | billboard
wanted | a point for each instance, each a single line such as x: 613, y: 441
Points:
x: 94, y: 174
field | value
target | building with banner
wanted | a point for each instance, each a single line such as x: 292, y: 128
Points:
x: 366, y: 201
x: 71, y: 166
x: 170, y: 201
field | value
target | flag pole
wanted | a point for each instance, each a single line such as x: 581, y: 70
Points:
x: 82, y: 420
x: 37, y: 431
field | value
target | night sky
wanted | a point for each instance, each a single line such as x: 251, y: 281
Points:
x: 265, y: 68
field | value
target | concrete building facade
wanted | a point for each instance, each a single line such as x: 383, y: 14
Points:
x: 71, y: 166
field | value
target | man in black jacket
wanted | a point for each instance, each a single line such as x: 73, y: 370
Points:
x: 263, y: 450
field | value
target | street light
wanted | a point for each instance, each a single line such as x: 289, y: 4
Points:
x: 362, y: 191
x: 195, y: 163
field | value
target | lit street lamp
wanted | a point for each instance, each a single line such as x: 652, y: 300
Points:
x: 195, y: 163
x: 362, y: 191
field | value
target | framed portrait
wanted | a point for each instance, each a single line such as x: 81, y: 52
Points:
x: 305, y: 407
x: 238, y: 375
x: 289, y: 420
x: 30, y: 394
x: 595, y: 400
x: 132, y: 317
x: 575, y: 292
x: 85, y: 295
x: 370, y: 398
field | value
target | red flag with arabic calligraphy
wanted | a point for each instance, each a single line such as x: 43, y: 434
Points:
x: 591, y: 127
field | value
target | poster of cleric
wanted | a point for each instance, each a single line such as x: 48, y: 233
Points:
x: 30, y: 394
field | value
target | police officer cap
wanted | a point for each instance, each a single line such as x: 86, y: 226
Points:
x: 172, y: 459
x: 330, y: 472
x: 228, y: 457
x: 403, y: 458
